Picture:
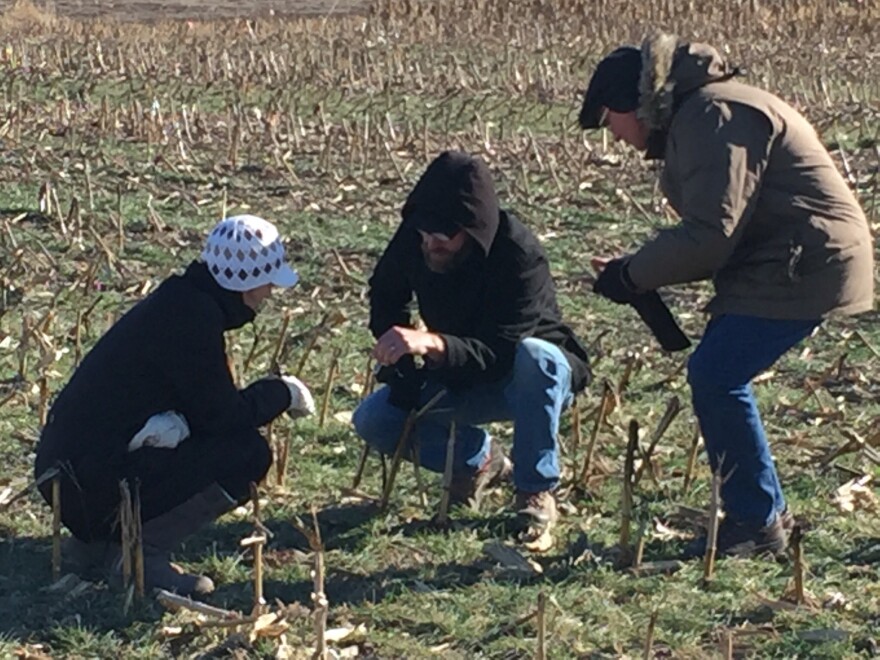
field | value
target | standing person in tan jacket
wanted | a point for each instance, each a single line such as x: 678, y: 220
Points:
x: 766, y: 215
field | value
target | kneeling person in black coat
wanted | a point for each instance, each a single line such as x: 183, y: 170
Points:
x: 495, y: 345
x: 154, y: 403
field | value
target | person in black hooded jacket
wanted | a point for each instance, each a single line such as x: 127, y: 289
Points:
x: 154, y: 403
x: 495, y: 340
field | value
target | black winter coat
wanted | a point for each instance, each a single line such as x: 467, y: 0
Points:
x: 501, y: 294
x: 166, y: 353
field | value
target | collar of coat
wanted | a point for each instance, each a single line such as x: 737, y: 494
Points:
x: 235, y: 312
x: 672, y: 69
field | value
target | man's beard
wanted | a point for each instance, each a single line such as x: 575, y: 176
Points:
x: 443, y: 261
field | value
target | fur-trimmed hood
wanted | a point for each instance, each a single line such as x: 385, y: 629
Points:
x: 764, y: 211
x: 670, y: 69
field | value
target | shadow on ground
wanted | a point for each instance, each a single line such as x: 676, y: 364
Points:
x: 30, y: 608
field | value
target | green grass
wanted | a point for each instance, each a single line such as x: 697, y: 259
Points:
x: 414, y: 587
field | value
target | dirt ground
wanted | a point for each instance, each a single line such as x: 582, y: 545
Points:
x: 143, y: 10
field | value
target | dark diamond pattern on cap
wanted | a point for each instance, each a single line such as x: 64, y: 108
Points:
x: 248, y: 261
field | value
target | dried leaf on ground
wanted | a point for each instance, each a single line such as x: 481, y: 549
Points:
x: 269, y: 625
x: 665, y: 533
x: 510, y: 557
x: 835, y: 600
x: 856, y: 495
x: 343, y: 416
x: 346, y: 633
x: 32, y: 652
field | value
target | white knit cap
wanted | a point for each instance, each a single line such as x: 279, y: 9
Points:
x: 245, y: 252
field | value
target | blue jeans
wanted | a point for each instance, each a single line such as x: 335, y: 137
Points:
x: 533, y: 396
x: 734, y: 349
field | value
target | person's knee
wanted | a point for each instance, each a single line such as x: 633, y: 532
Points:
x: 249, y: 464
x: 703, y: 374
x: 364, y: 422
x: 536, y: 357
x: 376, y: 423
x: 708, y: 376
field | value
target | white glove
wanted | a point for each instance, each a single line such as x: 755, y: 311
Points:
x: 165, y: 430
x: 301, y: 402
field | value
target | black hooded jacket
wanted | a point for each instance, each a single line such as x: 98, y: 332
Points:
x: 500, y: 294
x: 166, y: 353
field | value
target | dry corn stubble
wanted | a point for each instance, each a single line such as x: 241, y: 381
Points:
x: 321, y: 119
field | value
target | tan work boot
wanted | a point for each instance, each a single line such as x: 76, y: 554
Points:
x: 163, y: 534
x: 469, y: 488
x: 787, y: 520
x: 538, y: 515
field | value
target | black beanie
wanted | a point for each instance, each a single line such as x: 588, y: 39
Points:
x: 614, y: 85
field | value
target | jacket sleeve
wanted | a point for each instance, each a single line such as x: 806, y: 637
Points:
x: 209, y: 399
x: 390, y: 287
x: 719, y: 159
x: 511, y: 311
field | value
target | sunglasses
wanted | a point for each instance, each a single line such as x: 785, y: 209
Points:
x: 438, y: 236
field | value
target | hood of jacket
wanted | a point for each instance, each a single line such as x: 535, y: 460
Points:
x: 671, y: 69
x: 455, y: 192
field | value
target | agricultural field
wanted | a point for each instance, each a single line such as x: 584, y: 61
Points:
x: 125, y: 136
x: 163, y: 10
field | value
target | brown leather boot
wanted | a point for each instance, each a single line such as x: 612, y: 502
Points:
x: 787, y: 520
x: 741, y: 539
x: 164, y: 534
x: 538, y: 515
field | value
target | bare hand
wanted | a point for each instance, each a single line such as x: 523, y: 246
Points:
x: 599, y: 263
x: 400, y: 341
